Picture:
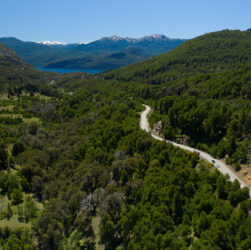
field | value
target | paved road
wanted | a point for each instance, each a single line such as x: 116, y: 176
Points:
x: 220, y: 165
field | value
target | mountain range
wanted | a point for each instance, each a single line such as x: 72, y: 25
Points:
x: 106, y: 53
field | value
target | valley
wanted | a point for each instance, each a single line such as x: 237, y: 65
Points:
x: 81, y: 169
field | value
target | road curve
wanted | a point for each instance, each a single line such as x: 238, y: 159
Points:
x: 220, y: 165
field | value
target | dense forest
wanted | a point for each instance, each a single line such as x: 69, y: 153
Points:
x: 201, y: 91
x: 78, y: 173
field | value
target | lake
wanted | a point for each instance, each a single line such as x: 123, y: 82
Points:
x: 62, y: 71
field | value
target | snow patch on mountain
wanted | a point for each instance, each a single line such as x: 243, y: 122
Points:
x: 114, y: 38
x: 51, y: 43
x: 82, y: 43
x: 154, y: 36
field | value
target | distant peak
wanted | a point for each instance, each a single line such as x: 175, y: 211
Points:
x: 119, y: 38
x: 80, y: 43
x: 114, y: 37
x: 51, y: 43
x: 158, y: 36
x: 155, y: 36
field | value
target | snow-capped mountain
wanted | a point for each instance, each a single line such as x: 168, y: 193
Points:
x: 155, y: 36
x: 112, y: 38
x: 56, y: 43
x: 129, y: 39
x: 82, y: 43
x: 51, y: 43
x: 153, y: 44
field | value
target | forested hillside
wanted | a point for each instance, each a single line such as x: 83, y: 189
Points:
x: 76, y: 171
x: 201, y: 91
x: 14, y: 70
x: 212, y: 52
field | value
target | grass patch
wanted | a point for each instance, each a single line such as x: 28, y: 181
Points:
x: 25, y: 120
x: 13, y: 223
x: 4, y: 202
x: 42, y: 97
x: 8, y: 107
x: 31, y: 120
x: 95, y: 226
x: 12, y: 115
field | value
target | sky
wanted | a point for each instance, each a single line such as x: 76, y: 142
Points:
x: 88, y: 20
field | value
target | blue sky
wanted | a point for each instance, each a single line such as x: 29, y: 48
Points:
x: 88, y: 20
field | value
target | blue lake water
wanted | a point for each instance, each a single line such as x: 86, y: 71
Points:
x: 62, y: 71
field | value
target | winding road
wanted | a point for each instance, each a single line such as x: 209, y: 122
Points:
x: 220, y: 165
